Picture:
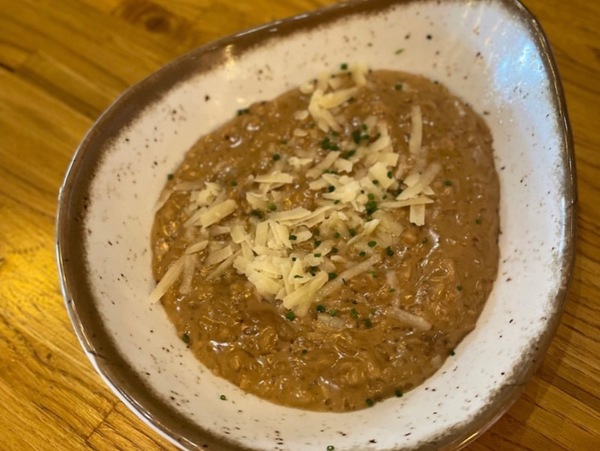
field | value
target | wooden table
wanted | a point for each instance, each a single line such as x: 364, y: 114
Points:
x: 62, y: 62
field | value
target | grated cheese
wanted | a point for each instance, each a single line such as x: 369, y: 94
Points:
x: 219, y: 255
x: 274, y: 177
x: 197, y: 247
x: 416, y: 134
x: 347, y: 185
x: 217, y: 212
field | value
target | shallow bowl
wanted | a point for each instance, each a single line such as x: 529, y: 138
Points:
x: 493, y: 54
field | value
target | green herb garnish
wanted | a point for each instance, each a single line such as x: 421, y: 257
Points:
x: 371, y: 206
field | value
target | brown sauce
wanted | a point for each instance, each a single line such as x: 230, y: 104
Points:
x: 379, y: 332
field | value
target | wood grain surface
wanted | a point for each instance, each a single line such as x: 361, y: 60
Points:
x: 62, y: 62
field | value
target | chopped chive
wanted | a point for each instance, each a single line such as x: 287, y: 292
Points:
x: 369, y: 402
x: 399, y: 51
x: 425, y: 240
x: 223, y: 398
x: 290, y: 315
x: 375, y: 182
x: 272, y: 207
x: 185, y: 338
x: 352, y: 232
x: 372, y: 243
x: 332, y: 275
x: 234, y: 183
x: 304, y: 351
x: 356, y: 136
x: 331, y: 188
x: 320, y: 308
x: 389, y: 174
x: 371, y: 196
x: 317, y: 255
x: 362, y: 253
x: 344, y: 66
x: 170, y: 176
x: 398, y: 86
x: 451, y: 353
x: 368, y: 323
x: 294, y: 259
x: 257, y: 213
x: 371, y: 207
x: 317, y: 243
x: 478, y: 220
x: 348, y: 154
x: 448, y: 182
x: 276, y: 157
x: 243, y: 111
x: 292, y: 237
x: 389, y: 251
x: 459, y: 287
x: 330, y: 448
x: 353, y: 313
x: 333, y: 312
x: 336, y: 235
x: 334, y: 250
x: 398, y: 393
x: 297, y: 276
x: 326, y: 143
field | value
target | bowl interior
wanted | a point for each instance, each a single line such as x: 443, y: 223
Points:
x: 489, y: 53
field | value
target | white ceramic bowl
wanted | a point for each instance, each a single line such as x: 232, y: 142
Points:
x: 491, y: 53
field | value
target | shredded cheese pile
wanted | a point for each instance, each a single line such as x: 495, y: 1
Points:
x: 355, y: 190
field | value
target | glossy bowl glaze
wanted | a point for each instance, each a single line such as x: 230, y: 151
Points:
x: 493, y: 54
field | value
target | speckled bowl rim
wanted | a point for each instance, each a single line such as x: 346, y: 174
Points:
x: 74, y: 196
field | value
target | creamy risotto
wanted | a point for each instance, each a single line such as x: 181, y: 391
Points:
x: 329, y: 248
